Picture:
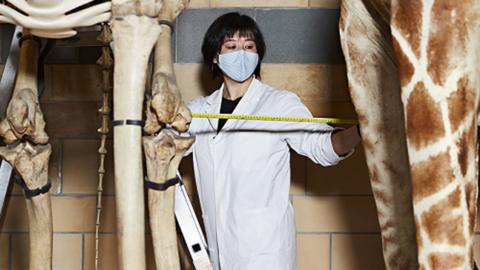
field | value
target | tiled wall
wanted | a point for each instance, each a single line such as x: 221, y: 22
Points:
x: 335, y: 212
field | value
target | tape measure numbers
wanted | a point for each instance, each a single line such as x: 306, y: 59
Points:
x: 275, y: 118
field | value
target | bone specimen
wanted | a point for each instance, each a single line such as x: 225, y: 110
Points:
x: 31, y: 163
x: 133, y: 39
x: 163, y: 155
x: 166, y: 105
x: 24, y: 117
x: 48, y: 18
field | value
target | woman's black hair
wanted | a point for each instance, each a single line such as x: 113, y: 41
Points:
x: 228, y: 25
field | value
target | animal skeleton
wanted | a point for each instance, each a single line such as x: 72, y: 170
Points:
x: 135, y: 30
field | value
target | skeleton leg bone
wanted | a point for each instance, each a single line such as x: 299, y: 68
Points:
x: 166, y: 105
x: 31, y: 163
x: 24, y: 117
x: 159, y: 151
x: 134, y: 37
x: 167, y: 250
x: 47, y: 18
x: 163, y: 154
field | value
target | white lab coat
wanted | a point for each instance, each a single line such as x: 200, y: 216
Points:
x: 243, y: 177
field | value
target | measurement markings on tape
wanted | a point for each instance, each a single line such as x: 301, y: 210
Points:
x: 275, y: 118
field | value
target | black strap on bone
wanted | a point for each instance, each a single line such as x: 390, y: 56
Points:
x: 161, y: 186
x: 128, y: 122
x: 29, y: 193
x: 167, y: 23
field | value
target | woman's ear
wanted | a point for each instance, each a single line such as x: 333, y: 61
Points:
x: 215, y: 59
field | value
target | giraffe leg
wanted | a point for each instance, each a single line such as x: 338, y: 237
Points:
x: 375, y: 92
x: 440, y: 99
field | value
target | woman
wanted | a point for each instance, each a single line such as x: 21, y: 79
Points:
x: 242, y: 168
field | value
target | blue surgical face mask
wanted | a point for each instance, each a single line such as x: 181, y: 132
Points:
x: 238, y: 65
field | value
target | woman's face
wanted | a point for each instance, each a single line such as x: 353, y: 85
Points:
x: 236, y: 43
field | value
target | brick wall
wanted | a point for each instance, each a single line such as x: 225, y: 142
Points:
x: 335, y: 212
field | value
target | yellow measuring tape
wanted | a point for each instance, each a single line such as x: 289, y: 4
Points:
x: 275, y: 118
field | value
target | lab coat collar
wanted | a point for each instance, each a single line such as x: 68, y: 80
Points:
x: 214, y: 101
x: 216, y: 97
